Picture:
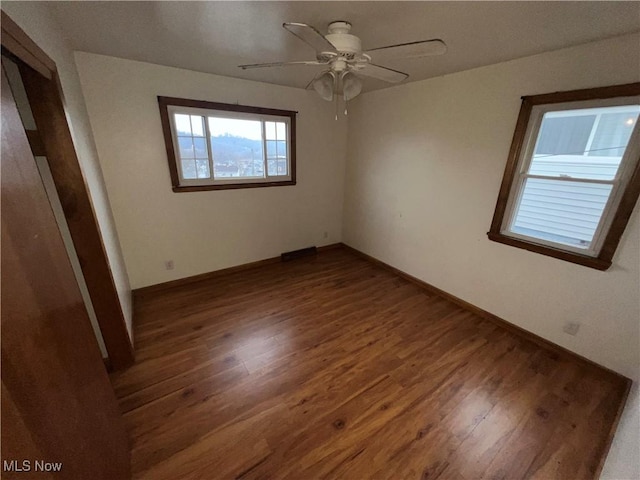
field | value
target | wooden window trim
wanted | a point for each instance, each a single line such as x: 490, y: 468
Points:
x: 165, y: 102
x: 628, y: 200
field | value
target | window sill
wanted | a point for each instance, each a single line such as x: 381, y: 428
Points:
x: 230, y: 186
x: 591, y: 262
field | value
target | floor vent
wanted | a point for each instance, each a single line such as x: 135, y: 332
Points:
x: 303, y: 252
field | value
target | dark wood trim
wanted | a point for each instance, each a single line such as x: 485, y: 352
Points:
x: 331, y: 246
x: 293, y: 147
x: 230, y: 186
x: 622, y: 216
x: 512, y: 164
x: 17, y: 43
x: 584, y: 260
x: 159, y: 287
x: 227, y: 107
x: 47, y: 103
x: 168, y: 144
x: 625, y: 90
x: 49, y: 114
x: 542, y: 342
x: 180, y: 282
x: 35, y: 142
x: 627, y: 203
x: 165, y: 102
x: 300, y: 253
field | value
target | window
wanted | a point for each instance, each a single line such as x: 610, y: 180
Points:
x: 573, y: 174
x: 212, y: 146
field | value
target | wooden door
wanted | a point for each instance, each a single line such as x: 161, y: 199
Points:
x: 58, y: 405
x: 53, y: 140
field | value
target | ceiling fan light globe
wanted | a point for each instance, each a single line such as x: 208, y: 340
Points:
x: 351, y: 86
x: 323, y: 85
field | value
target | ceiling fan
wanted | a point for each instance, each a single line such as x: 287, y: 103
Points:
x: 341, y: 53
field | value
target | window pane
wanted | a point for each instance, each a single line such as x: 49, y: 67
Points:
x: 613, y: 133
x: 197, y: 125
x: 281, y: 130
x: 281, y: 149
x: 250, y: 129
x: 282, y: 167
x: 575, y: 144
x: 271, y: 149
x: 587, y: 167
x: 189, y: 169
x: 561, y: 211
x: 277, y: 158
x: 203, y: 168
x: 272, y: 167
x: 200, y: 148
x: 270, y: 130
x: 183, y: 125
x: 564, y: 135
x: 186, y: 147
x: 236, y: 146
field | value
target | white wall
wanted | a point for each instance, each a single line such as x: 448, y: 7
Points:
x: 424, y: 166
x: 206, y: 231
x: 36, y: 20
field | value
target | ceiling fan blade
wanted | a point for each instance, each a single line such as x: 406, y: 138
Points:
x: 422, y: 48
x: 311, y: 36
x: 382, y: 73
x: 313, y: 63
x: 310, y: 84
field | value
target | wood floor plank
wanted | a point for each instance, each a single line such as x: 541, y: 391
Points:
x: 332, y: 367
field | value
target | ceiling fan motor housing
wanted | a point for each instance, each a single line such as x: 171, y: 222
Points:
x: 348, y: 45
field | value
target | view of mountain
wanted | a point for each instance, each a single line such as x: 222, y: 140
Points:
x: 233, y: 156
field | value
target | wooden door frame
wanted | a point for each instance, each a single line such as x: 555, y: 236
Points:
x: 53, y: 140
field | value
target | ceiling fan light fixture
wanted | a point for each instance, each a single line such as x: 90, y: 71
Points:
x: 323, y: 84
x: 351, y: 86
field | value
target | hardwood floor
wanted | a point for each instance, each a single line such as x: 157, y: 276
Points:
x: 332, y: 367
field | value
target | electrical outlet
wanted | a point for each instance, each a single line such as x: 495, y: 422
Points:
x: 325, y: 235
x: 571, y: 328
x: 168, y: 264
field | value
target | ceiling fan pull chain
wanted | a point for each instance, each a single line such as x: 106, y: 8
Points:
x: 344, y: 97
x: 335, y: 92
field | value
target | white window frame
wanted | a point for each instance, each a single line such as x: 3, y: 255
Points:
x: 619, y: 182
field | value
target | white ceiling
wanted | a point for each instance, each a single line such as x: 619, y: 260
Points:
x: 215, y: 37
